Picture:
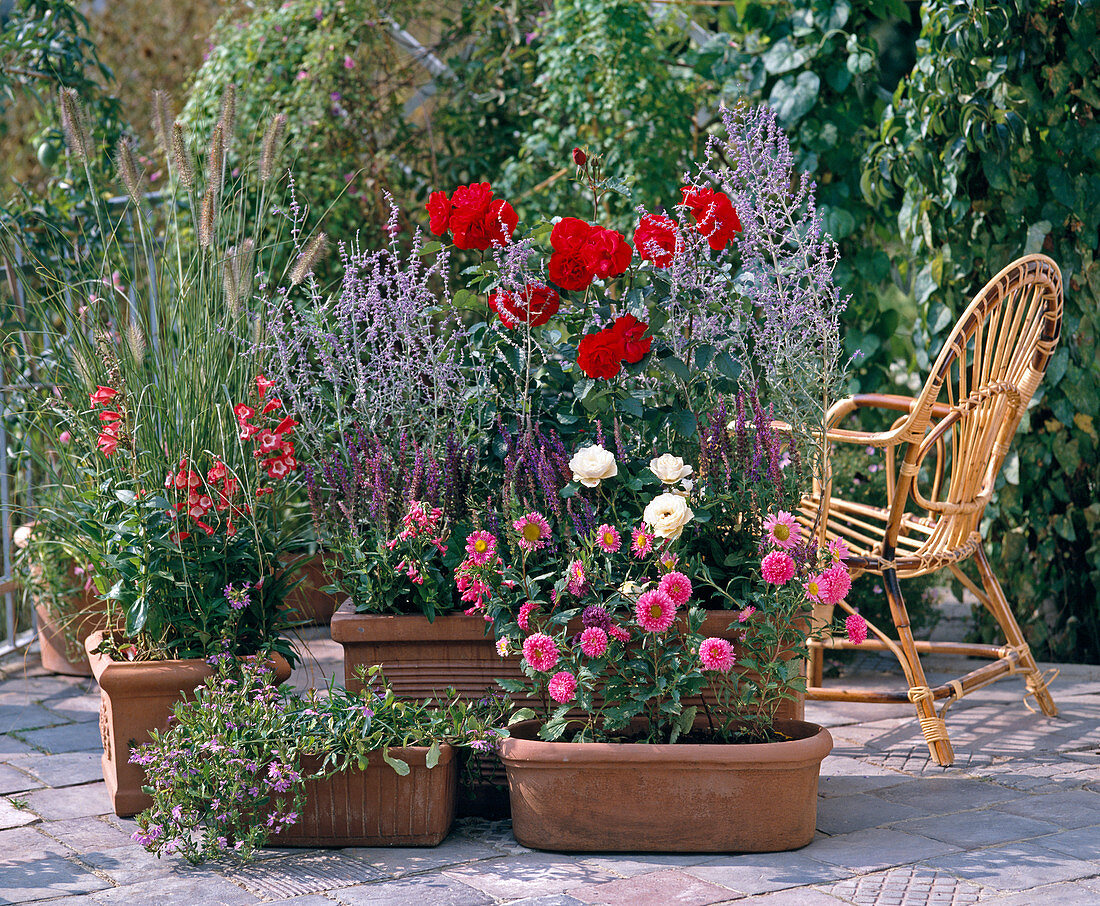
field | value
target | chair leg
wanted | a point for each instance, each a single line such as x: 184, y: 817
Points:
x: 998, y: 606
x: 920, y: 694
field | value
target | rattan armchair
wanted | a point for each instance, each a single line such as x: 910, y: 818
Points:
x: 942, y: 455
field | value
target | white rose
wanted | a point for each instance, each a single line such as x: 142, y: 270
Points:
x: 591, y: 465
x: 667, y: 515
x: 670, y: 469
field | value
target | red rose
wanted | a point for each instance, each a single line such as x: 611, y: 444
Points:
x: 599, y: 355
x: 606, y: 253
x: 439, y: 214
x: 570, y: 234
x: 629, y: 330
x: 656, y: 239
x: 569, y: 270
x: 579, y: 157
x: 537, y: 304
x: 500, y: 222
x: 715, y: 216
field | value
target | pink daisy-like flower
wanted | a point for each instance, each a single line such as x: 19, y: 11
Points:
x: 677, y: 586
x: 480, y: 548
x: 608, y: 538
x: 745, y: 613
x: 503, y: 648
x: 577, y: 579
x: 835, y: 584
x: 782, y: 530
x: 857, y: 629
x: 617, y: 632
x: 838, y: 548
x: 669, y: 561
x: 524, y: 618
x: 563, y: 687
x: 641, y: 543
x: 540, y: 651
x: 594, y: 642
x: 655, y: 611
x: 813, y: 587
x: 534, y: 531
x: 717, y: 654
x: 777, y: 568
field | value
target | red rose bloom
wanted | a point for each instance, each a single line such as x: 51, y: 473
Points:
x: 570, y: 234
x: 599, y: 355
x: 439, y: 212
x: 629, y: 330
x: 537, y: 304
x: 715, y: 216
x: 606, y: 253
x: 569, y: 270
x: 656, y: 239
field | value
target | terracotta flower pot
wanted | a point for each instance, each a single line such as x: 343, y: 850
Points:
x: 58, y: 653
x: 377, y: 806
x: 137, y: 697
x: 307, y: 601
x: 631, y: 797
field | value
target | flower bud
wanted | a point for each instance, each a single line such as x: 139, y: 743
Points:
x: 579, y: 157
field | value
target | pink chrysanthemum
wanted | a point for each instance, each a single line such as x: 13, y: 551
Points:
x: 677, y: 586
x: 655, y: 611
x: 641, y: 543
x: 838, y: 548
x: 608, y: 538
x: 835, y: 584
x: 745, y: 613
x: 480, y: 548
x: 717, y: 654
x: 524, y: 618
x: 813, y: 587
x: 617, y: 632
x: 577, y: 578
x: 782, y: 530
x: 540, y: 651
x: 594, y: 642
x: 563, y: 686
x: 777, y: 568
x: 857, y: 629
x: 534, y: 531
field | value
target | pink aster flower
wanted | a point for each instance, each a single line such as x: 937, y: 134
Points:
x: 782, y: 530
x: 857, y: 629
x: 563, y: 686
x: 524, y: 618
x: 669, y: 561
x: 540, y: 651
x: 617, y: 632
x: 608, y: 538
x: 745, y: 613
x: 503, y: 647
x: 717, y: 654
x: 777, y: 568
x: 534, y: 531
x: 677, y: 586
x: 594, y: 642
x: 641, y: 543
x: 577, y: 579
x: 655, y: 611
x: 813, y: 587
x: 835, y: 584
x: 838, y: 548
x: 480, y: 548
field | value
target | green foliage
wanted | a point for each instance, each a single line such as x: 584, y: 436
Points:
x: 992, y: 148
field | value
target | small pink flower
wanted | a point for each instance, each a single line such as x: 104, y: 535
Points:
x: 717, y: 654
x: 617, y: 632
x: 503, y: 647
x: 563, y: 687
x: 655, y: 611
x: 524, y: 618
x: 641, y: 543
x: 777, y: 568
x: 835, y: 584
x: 594, y: 642
x: 534, y: 531
x: 349, y: 63
x: 480, y: 548
x: 64, y: 437
x: 782, y: 530
x: 813, y: 587
x: 677, y: 586
x: 669, y: 561
x: 857, y: 629
x: 540, y: 651
x: 608, y: 538
x: 577, y: 578
x: 838, y: 548
x: 745, y: 613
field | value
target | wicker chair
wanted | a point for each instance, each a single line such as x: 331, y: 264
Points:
x: 955, y: 436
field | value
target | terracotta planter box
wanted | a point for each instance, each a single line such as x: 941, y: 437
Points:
x: 135, y: 698
x: 629, y: 797
x: 307, y: 601
x: 58, y: 655
x: 377, y: 806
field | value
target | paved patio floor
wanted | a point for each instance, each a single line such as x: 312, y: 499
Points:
x: 1015, y: 821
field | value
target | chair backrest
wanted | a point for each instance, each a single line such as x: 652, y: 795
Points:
x: 974, y: 398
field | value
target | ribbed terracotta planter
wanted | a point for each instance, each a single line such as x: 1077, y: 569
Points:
x: 135, y: 698
x: 307, y: 602
x: 376, y: 806
x: 631, y: 797
x: 58, y: 654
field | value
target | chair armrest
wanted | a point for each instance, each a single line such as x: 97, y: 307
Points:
x: 841, y: 409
